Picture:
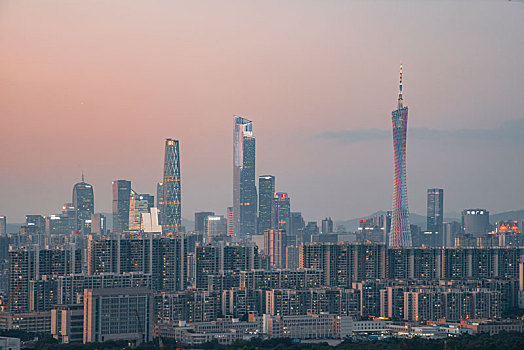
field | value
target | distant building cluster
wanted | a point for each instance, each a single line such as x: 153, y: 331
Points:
x: 257, y: 268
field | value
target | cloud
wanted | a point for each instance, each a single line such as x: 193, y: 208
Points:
x: 508, y: 131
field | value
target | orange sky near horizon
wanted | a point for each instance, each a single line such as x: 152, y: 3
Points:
x: 98, y: 85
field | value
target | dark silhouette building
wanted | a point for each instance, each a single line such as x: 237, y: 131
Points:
x: 121, y: 199
x: 435, y: 215
x: 200, y: 218
x: 84, y: 203
x: 281, y: 211
x: 266, y: 191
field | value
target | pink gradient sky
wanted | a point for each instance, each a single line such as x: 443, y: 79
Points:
x: 98, y: 85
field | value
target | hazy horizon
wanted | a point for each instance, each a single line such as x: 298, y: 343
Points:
x: 97, y: 86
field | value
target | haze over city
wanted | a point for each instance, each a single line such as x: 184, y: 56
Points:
x: 97, y: 87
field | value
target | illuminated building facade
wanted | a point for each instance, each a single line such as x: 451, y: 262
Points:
x: 139, y: 204
x: 214, y: 226
x: 275, y: 242
x: 244, y: 188
x: 266, y: 188
x: 400, y: 235
x: 475, y: 222
x: 281, y: 210
x: 171, y: 209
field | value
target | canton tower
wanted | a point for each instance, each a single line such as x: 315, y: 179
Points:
x: 400, y: 234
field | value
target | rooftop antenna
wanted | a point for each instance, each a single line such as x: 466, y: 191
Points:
x: 400, y: 101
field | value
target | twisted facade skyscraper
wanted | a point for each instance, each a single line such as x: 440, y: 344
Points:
x: 171, y: 205
x: 400, y: 234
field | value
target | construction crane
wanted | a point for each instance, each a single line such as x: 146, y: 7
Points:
x: 10, y: 299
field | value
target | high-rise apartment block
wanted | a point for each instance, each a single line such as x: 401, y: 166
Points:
x: 275, y: 242
x: 163, y: 257
x: 31, y: 264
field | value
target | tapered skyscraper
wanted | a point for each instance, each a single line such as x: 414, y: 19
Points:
x: 400, y: 235
x: 244, y: 188
x: 171, y: 208
x: 84, y: 202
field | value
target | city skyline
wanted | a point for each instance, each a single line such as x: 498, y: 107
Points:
x: 302, y: 236
x: 304, y: 122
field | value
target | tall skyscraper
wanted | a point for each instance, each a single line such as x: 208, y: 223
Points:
x: 327, y: 225
x: 475, y: 222
x: 435, y: 214
x: 281, y: 211
x: 214, y: 225
x: 266, y: 188
x: 244, y: 188
x: 275, y: 246
x: 84, y: 203
x: 37, y: 222
x: 121, y: 198
x: 159, y: 195
x: 3, y: 225
x: 138, y: 205
x: 99, y: 224
x: 200, y: 218
x: 400, y: 235
x: 230, y: 224
x: 171, y: 210
x: 296, y: 225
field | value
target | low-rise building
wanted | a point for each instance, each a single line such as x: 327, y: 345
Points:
x: 67, y: 323
x: 9, y: 343
x: 311, y: 326
x: 118, y: 313
x: 224, y: 330
x: 34, y: 322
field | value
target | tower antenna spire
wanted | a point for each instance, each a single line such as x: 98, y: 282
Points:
x: 82, y: 175
x: 400, y: 100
